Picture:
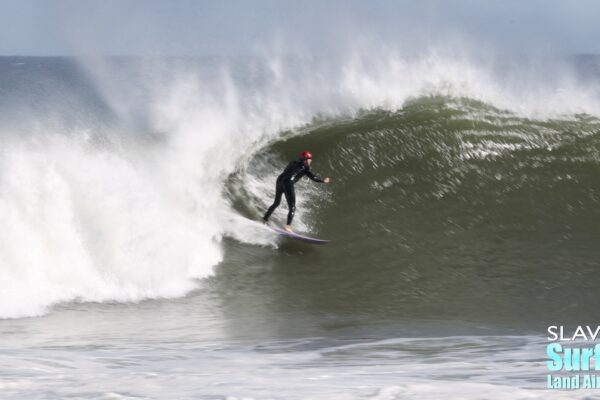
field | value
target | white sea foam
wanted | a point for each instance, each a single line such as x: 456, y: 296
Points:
x: 400, y: 368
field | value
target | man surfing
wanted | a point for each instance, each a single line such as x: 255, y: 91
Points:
x: 294, y: 171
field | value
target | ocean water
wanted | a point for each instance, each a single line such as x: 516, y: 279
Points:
x: 463, y: 216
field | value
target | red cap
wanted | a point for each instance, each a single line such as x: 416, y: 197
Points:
x: 305, y: 155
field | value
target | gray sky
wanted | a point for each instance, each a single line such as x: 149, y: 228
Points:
x: 187, y: 27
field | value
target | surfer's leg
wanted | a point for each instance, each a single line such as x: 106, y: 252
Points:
x: 290, y: 196
x: 278, y: 193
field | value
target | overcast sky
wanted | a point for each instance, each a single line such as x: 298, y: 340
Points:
x: 186, y: 27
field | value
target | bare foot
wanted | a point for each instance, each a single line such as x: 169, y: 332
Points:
x: 288, y: 228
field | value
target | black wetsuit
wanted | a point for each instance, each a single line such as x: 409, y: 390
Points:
x: 285, y: 185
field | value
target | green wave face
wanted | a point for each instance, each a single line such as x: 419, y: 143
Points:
x: 447, y: 208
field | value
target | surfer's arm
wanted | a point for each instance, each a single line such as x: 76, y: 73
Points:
x: 298, y: 177
x: 314, y: 177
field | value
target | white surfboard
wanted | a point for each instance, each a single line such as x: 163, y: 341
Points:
x: 296, y: 236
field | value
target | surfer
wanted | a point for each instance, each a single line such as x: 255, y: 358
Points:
x: 294, y: 171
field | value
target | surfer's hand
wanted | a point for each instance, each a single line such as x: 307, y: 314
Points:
x: 327, y: 180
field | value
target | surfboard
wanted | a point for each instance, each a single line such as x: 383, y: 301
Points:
x: 296, y: 236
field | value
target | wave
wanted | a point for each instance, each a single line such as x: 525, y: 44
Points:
x: 448, y: 207
x: 120, y: 183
